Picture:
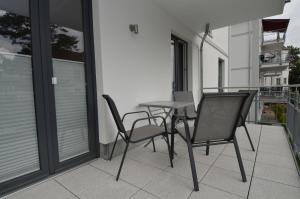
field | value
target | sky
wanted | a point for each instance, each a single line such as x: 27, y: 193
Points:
x: 292, y: 12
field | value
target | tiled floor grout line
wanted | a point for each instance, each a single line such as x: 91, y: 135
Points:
x: 138, y: 188
x: 151, y: 194
x: 111, y: 175
x: 63, y: 186
x: 222, y: 190
x: 221, y: 168
x: 141, y: 162
x: 212, y: 164
x: 276, y: 182
x: 134, y: 193
x: 209, y: 168
x: 252, y: 175
x: 49, y: 178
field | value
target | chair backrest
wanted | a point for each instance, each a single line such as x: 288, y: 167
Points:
x: 217, y: 116
x: 185, y: 96
x: 247, y: 105
x: 115, y: 113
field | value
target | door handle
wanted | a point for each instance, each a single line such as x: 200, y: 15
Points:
x: 54, y: 80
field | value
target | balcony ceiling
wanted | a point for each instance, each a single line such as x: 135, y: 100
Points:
x: 194, y: 13
x: 219, y: 13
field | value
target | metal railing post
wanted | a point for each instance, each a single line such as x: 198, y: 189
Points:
x: 256, y: 108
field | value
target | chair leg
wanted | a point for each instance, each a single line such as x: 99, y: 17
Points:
x: 191, y: 157
x: 172, y: 145
x: 122, y: 162
x: 237, y: 150
x: 153, y: 144
x: 169, y: 149
x: 113, y: 149
x: 249, y: 138
x: 207, y: 148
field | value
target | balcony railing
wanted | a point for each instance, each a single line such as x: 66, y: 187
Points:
x: 271, y: 37
x: 276, y: 105
x: 274, y: 57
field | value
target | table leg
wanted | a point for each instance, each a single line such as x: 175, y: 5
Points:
x: 173, y: 120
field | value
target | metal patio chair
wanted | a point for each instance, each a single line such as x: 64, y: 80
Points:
x: 190, y: 112
x: 186, y: 96
x: 218, y: 115
x: 136, y: 135
x: 245, y: 112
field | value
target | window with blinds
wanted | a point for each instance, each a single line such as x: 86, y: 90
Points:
x: 71, y: 109
x: 69, y: 69
x: 18, y: 134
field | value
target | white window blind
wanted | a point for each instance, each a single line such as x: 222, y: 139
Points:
x: 18, y: 134
x: 71, y: 108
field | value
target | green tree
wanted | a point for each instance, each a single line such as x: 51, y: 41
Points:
x: 17, y: 29
x: 294, y: 65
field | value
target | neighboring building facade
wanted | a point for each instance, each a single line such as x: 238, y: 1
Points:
x: 57, y: 58
x: 274, y: 56
x: 257, y: 53
x: 257, y: 56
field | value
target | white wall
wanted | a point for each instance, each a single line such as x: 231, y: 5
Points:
x: 216, y: 47
x: 244, y: 50
x: 271, y: 81
x: 137, y: 68
x: 220, y: 37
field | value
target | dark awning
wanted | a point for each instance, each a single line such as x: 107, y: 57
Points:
x: 275, y: 25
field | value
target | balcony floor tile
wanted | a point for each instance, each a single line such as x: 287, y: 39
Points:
x: 148, y: 175
x: 263, y: 189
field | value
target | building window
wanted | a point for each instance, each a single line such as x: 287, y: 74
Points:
x: 285, y: 80
x: 278, y: 81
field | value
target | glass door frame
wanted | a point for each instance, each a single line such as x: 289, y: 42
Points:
x: 37, y: 78
x: 90, y: 75
x: 180, y: 80
x: 44, y: 96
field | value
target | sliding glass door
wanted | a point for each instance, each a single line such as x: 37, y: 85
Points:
x: 47, y: 89
x: 69, y: 78
x: 23, y: 156
x: 18, y: 131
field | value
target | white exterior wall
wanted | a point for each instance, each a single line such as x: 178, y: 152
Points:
x: 244, y: 50
x: 138, y: 68
x: 215, y: 48
x: 271, y: 81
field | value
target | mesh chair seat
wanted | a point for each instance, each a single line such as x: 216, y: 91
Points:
x: 145, y: 132
x: 247, y: 106
x: 136, y: 134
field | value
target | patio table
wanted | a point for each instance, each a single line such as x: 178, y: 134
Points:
x: 174, y: 106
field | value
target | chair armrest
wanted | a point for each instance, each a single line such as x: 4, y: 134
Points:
x: 136, y: 112
x: 147, y: 118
